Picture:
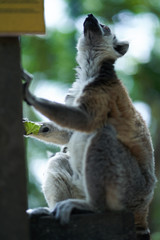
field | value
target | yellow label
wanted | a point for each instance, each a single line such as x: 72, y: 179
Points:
x: 21, y: 17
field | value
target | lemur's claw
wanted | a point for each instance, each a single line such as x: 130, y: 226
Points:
x: 25, y: 92
x: 25, y: 86
x: 26, y: 75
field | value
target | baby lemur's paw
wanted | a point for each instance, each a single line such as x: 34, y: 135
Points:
x: 39, y: 212
x: 63, y: 209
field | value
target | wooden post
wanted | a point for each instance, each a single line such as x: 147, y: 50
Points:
x: 13, y: 197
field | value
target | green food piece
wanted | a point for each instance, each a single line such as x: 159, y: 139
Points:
x: 31, y: 128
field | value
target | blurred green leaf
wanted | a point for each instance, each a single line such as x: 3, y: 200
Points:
x: 31, y: 128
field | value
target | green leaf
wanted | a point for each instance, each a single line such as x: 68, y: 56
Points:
x: 31, y: 128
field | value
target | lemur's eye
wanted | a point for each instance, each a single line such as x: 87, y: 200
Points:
x: 106, y: 28
x: 45, y: 129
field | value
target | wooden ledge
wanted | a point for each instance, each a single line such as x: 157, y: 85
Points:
x: 84, y: 226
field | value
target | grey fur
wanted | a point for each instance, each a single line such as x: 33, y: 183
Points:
x: 98, y: 172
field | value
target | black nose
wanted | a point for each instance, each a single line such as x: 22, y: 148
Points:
x: 91, y: 24
x: 90, y: 15
x: 90, y: 18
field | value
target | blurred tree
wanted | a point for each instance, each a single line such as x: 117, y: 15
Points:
x: 54, y: 57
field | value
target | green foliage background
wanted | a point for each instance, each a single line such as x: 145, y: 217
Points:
x: 53, y: 57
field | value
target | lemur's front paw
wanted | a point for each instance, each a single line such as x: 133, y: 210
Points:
x: 63, y: 211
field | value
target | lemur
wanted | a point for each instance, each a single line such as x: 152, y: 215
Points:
x: 110, y: 158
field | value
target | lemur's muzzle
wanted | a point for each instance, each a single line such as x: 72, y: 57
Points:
x: 91, y: 25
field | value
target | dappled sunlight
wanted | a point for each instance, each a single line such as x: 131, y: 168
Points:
x: 56, y: 16
x: 54, y: 12
x: 53, y: 91
x: 139, y: 31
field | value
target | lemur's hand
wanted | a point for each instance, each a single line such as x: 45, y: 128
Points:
x: 26, y: 93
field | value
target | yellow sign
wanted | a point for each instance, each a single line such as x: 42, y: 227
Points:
x: 21, y: 17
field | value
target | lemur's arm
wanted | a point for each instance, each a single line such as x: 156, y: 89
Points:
x: 85, y: 117
x: 49, y: 132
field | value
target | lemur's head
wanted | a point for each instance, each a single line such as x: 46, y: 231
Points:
x: 100, y: 41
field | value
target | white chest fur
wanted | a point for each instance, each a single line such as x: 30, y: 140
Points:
x: 79, y: 141
x: 78, y: 146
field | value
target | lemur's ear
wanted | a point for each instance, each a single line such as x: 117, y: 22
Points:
x: 121, y: 47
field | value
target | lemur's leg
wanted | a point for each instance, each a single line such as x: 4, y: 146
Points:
x: 50, y: 132
x: 58, y: 185
x: 119, y: 183
x: 142, y: 230
x: 103, y: 169
x: 95, y: 182
x: 112, y: 178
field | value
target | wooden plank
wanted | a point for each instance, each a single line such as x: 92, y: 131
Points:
x: 21, y: 17
x: 89, y: 226
x: 13, y: 197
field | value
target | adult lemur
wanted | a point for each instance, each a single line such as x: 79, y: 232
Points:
x: 110, y: 164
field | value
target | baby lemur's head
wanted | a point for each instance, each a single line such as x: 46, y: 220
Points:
x: 98, y: 42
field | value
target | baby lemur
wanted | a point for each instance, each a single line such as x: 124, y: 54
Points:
x: 109, y: 163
